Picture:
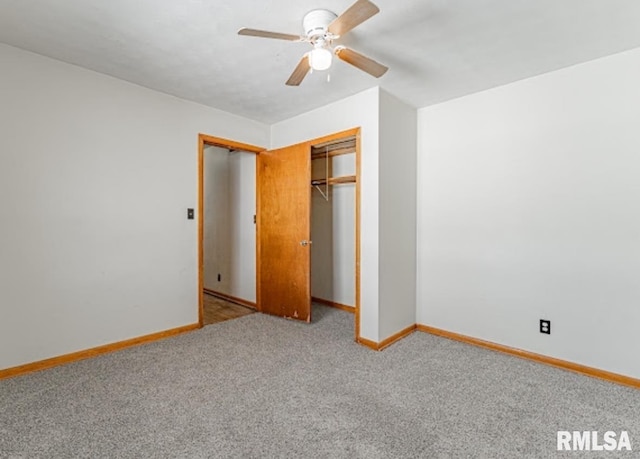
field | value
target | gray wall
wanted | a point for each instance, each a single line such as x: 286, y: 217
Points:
x: 96, y: 176
x: 528, y: 209
x: 398, y: 124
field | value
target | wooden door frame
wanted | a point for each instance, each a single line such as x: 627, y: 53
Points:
x: 205, y: 140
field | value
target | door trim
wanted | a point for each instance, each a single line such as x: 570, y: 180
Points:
x: 204, y: 139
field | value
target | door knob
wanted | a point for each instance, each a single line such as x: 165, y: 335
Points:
x: 305, y: 243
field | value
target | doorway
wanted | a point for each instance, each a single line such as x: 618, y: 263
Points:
x: 227, y: 231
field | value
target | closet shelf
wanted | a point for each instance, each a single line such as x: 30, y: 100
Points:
x: 332, y: 153
x: 334, y: 180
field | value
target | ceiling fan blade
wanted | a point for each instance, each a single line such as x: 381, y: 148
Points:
x: 357, y: 13
x: 267, y: 34
x: 300, y: 71
x: 362, y: 62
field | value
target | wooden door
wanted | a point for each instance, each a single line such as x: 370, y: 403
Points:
x: 284, y: 229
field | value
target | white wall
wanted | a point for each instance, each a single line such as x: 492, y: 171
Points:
x: 360, y: 110
x: 528, y: 209
x: 229, y: 240
x: 96, y: 175
x: 216, y: 249
x: 333, y: 232
x: 242, y: 198
x: 398, y: 133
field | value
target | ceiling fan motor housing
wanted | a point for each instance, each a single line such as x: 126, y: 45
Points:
x: 316, y: 22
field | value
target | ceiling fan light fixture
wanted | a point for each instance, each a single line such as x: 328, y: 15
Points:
x: 321, y: 29
x: 320, y: 59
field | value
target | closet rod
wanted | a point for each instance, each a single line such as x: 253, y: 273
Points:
x: 334, y: 180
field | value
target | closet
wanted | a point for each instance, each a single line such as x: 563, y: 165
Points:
x: 333, y: 231
x: 307, y: 223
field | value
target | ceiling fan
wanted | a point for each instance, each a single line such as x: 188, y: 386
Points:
x: 322, y: 28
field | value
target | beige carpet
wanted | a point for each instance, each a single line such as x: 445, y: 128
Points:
x: 264, y: 387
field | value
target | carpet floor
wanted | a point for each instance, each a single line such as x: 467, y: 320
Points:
x: 260, y: 386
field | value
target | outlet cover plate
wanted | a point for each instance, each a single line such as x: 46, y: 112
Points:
x: 545, y: 326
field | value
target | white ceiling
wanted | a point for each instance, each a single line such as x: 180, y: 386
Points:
x: 436, y: 49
